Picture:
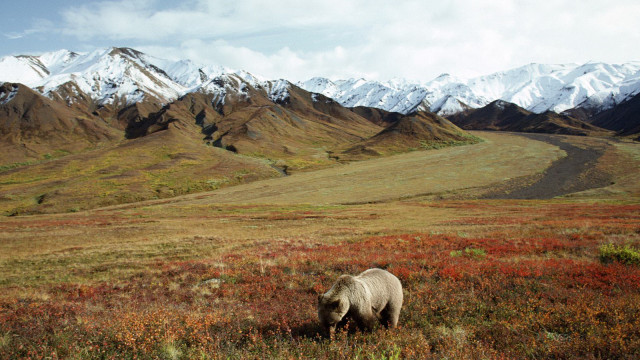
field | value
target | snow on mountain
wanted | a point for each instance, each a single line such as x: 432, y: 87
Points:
x: 6, y: 97
x: 27, y: 70
x: 114, y: 74
x: 448, y: 105
x: 320, y: 85
x: 108, y: 75
x: 536, y: 87
x: 223, y: 86
x: 564, y: 87
x: 57, y: 60
x: 278, y: 90
x: 122, y: 74
x: 186, y: 72
x: 398, y: 96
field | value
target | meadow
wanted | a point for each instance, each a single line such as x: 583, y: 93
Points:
x: 196, y: 278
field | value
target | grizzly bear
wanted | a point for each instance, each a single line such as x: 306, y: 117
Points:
x: 371, y: 297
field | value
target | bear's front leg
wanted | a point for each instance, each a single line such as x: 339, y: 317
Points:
x: 366, y: 319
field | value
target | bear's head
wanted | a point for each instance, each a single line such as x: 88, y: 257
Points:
x: 331, y: 311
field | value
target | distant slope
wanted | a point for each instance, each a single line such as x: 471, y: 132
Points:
x: 624, y: 118
x: 496, y: 116
x: 503, y: 116
x: 536, y: 87
x: 163, y: 164
x: 280, y: 121
x: 429, y: 174
x: 272, y: 120
x: 32, y: 125
x: 377, y: 116
x: 422, y: 130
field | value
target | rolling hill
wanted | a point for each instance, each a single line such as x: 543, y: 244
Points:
x: 112, y: 127
x: 422, y: 130
x: 32, y: 125
x: 504, y: 116
x: 176, y: 127
x: 624, y: 119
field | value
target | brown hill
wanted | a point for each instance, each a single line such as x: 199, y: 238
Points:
x: 160, y: 165
x: 152, y: 151
x: 505, y: 116
x: 552, y: 123
x: 299, y: 128
x: 32, y: 126
x: 421, y: 130
x: 496, y: 116
x: 378, y: 116
x: 296, y: 128
x: 624, y: 118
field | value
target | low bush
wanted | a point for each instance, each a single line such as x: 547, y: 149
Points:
x: 618, y: 253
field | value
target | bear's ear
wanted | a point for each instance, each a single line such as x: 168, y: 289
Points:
x: 320, y: 297
x: 335, y: 304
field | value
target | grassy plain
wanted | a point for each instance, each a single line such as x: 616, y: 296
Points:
x: 437, y: 173
x: 162, y: 165
x: 202, y: 276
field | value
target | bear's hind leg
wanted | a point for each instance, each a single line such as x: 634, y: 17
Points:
x: 390, y: 316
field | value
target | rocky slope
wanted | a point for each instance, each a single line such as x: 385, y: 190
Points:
x: 504, y: 116
x: 32, y: 125
x: 624, y: 118
x: 130, y: 95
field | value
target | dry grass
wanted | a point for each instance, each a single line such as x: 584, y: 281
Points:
x: 499, y: 158
x: 52, y: 248
x: 218, y: 281
x: 162, y: 165
x: 191, y: 277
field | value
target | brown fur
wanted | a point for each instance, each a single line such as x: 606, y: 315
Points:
x: 374, y: 296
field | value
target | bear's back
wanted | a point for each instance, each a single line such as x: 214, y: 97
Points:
x: 380, y: 281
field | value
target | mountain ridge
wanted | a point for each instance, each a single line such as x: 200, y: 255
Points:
x: 535, y: 87
x: 129, y: 93
x: 111, y: 74
x: 500, y: 115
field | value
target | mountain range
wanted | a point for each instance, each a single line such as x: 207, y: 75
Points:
x: 505, y: 116
x: 69, y: 101
x: 534, y: 87
x: 110, y: 75
x: 124, y: 126
x: 65, y: 102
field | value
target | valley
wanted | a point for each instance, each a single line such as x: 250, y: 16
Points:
x: 235, y: 272
x: 163, y: 209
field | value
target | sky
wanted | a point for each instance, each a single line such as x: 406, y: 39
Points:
x: 339, y: 39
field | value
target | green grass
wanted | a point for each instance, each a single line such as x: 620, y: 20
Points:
x: 133, y: 171
x: 469, y: 252
x: 15, y: 165
x: 48, y: 156
x: 440, y: 144
x: 618, y: 253
x: 403, y: 176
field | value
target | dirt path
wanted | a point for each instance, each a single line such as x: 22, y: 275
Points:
x: 573, y: 173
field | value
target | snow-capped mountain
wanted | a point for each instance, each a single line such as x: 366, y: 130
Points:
x: 535, y: 87
x: 186, y: 72
x: 128, y: 76
x: 105, y: 75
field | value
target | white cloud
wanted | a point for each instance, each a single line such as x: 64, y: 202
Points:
x: 375, y: 38
x: 40, y: 26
